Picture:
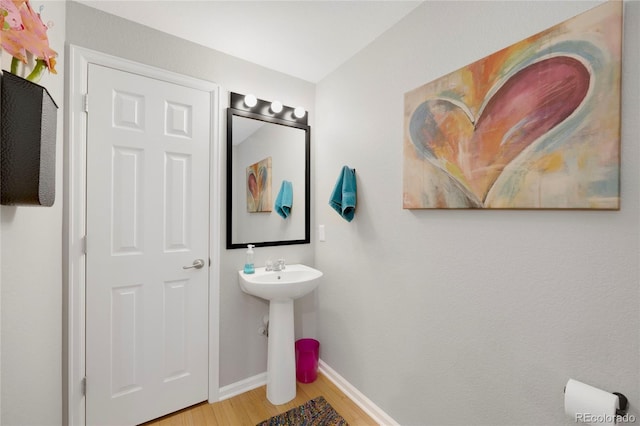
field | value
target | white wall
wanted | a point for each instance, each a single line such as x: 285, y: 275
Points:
x: 242, y: 349
x: 465, y: 316
x: 31, y: 334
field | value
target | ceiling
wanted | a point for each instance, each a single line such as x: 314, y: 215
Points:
x: 304, y: 38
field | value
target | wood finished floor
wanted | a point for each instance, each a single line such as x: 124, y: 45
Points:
x: 251, y: 408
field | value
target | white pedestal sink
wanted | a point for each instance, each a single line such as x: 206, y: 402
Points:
x: 280, y: 288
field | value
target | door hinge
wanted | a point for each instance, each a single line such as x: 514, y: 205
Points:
x: 83, y: 245
x: 83, y: 386
x: 85, y: 102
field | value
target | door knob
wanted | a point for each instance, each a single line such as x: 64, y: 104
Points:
x: 197, y: 264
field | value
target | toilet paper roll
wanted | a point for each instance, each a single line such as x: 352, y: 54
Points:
x: 590, y: 405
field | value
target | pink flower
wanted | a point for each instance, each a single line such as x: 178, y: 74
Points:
x: 10, y: 16
x: 30, y: 36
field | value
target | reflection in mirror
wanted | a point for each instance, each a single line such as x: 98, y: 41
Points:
x: 262, y: 152
x: 253, y: 142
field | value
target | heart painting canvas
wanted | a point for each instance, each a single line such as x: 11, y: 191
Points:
x: 535, y: 125
x: 259, y: 187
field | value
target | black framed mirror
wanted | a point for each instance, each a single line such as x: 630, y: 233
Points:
x: 268, y: 175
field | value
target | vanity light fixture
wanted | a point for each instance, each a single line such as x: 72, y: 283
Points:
x: 276, y: 107
x: 273, y: 109
x: 299, y: 112
x: 250, y: 100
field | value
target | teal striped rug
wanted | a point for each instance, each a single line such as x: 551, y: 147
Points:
x: 316, y: 412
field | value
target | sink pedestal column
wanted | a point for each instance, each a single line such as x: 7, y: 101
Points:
x: 281, y: 353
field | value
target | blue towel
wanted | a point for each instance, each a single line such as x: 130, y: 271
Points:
x: 343, y: 197
x: 284, y: 200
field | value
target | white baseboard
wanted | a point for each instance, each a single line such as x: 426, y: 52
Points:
x: 242, y: 386
x: 372, y: 410
x: 356, y: 396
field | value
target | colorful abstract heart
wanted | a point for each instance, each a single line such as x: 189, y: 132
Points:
x: 535, y: 125
x: 259, y: 186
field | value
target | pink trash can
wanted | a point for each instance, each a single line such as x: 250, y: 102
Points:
x: 307, y: 355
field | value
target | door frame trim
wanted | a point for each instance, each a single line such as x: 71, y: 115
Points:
x: 74, y: 218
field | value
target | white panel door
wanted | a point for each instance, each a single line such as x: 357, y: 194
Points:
x: 147, y: 218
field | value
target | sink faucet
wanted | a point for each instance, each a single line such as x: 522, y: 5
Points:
x: 279, y: 265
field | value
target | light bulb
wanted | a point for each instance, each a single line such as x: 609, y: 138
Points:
x: 299, y: 112
x: 250, y: 100
x: 276, y: 106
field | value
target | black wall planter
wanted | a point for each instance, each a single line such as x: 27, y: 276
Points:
x: 28, y: 117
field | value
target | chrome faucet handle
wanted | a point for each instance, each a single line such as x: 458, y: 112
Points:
x: 281, y: 264
x: 268, y: 265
